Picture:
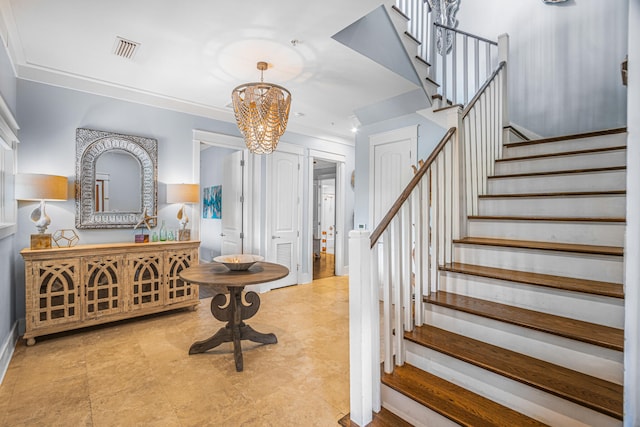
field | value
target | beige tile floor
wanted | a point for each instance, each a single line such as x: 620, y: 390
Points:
x: 139, y: 373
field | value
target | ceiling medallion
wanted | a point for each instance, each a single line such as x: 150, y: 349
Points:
x: 262, y: 112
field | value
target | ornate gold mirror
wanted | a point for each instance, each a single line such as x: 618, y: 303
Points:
x: 116, y: 179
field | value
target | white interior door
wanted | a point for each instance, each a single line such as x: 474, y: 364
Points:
x: 390, y: 171
x: 232, y: 204
x: 283, y: 205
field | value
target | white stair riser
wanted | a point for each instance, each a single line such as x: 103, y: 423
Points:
x: 604, y: 268
x: 589, y: 359
x: 602, y: 310
x: 571, y: 182
x: 615, y: 140
x: 558, y: 163
x: 587, y: 233
x: 596, y: 206
x: 520, y: 397
x: 412, y: 411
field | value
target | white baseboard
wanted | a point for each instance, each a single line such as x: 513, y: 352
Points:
x: 6, y: 351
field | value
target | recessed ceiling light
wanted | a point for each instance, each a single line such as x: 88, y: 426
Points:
x: 298, y: 114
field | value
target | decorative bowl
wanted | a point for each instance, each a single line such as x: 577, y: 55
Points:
x: 238, y: 262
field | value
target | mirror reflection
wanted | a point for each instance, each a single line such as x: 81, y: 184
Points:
x: 118, y: 185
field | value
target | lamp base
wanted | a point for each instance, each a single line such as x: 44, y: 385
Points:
x: 184, y: 234
x: 41, y: 241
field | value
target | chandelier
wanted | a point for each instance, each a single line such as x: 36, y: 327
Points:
x: 262, y: 112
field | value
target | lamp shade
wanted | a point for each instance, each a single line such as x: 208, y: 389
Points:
x: 183, y: 193
x: 31, y: 186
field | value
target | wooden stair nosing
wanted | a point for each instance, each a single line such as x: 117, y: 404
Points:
x: 384, y: 418
x: 560, y: 172
x: 563, y: 153
x: 545, y: 218
x: 517, y: 133
x: 413, y: 38
x: 593, y: 287
x: 591, y: 333
x: 448, y: 107
x: 567, y: 137
x: 424, y: 61
x: 551, y: 246
x: 399, y: 12
x: 586, y: 390
x: 452, y: 401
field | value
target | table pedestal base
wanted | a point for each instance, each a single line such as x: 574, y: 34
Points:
x: 235, y: 330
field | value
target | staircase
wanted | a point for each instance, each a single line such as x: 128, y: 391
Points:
x: 526, y: 326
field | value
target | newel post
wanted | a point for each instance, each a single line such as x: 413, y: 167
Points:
x: 364, y: 341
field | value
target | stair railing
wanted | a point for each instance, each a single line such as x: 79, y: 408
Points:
x: 461, y: 66
x: 459, y: 61
x: 398, y: 263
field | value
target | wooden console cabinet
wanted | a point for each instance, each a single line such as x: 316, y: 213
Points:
x: 70, y: 288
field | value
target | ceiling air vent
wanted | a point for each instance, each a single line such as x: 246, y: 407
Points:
x: 125, y: 48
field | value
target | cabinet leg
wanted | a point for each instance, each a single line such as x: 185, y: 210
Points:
x: 31, y: 341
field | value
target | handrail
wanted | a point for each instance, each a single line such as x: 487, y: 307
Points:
x: 480, y: 91
x: 482, y: 39
x: 395, y: 208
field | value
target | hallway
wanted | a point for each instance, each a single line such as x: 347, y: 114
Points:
x: 139, y: 372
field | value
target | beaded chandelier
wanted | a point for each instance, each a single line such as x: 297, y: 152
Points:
x: 262, y: 112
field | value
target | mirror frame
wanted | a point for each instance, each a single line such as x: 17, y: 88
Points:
x: 90, y: 144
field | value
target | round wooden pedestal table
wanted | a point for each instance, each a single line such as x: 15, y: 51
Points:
x: 229, y: 285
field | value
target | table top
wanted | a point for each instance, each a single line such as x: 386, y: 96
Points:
x: 218, y: 275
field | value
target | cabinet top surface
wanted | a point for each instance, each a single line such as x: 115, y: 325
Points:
x: 218, y: 275
x: 125, y: 246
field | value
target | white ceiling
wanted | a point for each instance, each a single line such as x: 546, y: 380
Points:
x: 193, y: 53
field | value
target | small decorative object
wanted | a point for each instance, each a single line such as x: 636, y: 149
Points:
x: 142, y: 237
x: 262, y: 112
x: 145, y: 220
x: 238, y: 262
x: 37, y: 187
x: 66, y: 238
x: 163, y: 232
x: 170, y: 236
x: 154, y: 237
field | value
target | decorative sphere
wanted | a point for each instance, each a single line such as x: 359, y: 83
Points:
x: 65, y: 238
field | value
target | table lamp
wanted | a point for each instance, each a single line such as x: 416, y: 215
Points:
x: 42, y: 188
x: 183, y: 193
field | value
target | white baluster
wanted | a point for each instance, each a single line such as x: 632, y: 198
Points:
x: 397, y: 290
x: 419, y: 253
x: 407, y: 244
x: 387, y: 299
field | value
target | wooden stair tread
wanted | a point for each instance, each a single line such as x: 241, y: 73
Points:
x: 595, y: 393
x: 554, y: 194
x: 384, y: 418
x: 454, y: 402
x: 563, y: 153
x: 552, y: 246
x: 567, y: 137
x: 546, y: 218
x: 603, y: 336
x: 593, y: 287
x: 558, y: 172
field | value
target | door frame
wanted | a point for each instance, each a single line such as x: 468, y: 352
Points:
x: 251, y: 241
x: 408, y: 132
x: 340, y: 234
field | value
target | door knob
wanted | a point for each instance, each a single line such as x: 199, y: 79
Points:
x: 275, y: 237
x: 222, y: 234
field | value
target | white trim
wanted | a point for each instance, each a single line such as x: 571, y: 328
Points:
x: 8, y: 346
x: 340, y: 161
x: 250, y: 216
x: 7, y: 230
